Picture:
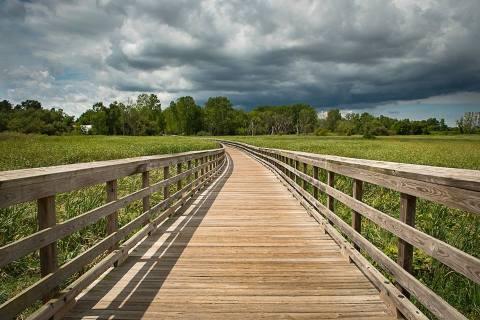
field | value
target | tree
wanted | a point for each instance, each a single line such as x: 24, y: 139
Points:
x: 30, y: 117
x: 219, y: 116
x: 5, y: 114
x: 183, y: 117
x: 30, y: 104
x: 469, y: 123
x: 333, y: 117
x: 307, y: 119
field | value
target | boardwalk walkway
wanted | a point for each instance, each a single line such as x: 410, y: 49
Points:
x: 244, y: 249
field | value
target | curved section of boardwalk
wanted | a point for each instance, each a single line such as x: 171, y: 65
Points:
x: 244, y: 249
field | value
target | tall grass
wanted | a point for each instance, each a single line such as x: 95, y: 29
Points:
x: 457, y: 228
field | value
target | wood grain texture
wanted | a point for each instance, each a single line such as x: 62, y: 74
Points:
x: 245, y: 248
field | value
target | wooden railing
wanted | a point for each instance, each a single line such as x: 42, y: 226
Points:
x: 42, y: 184
x: 454, y: 188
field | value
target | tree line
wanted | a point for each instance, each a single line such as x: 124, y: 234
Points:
x: 145, y: 116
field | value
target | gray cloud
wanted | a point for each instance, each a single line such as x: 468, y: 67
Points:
x: 329, y: 53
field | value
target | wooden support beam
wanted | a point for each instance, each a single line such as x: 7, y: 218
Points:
x: 112, y: 219
x: 166, y: 189
x: 331, y: 183
x: 304, y: 185
x: 315, y: 176
x: 297, y: 166
x: 47, y: 217
x: 357, y: 217
x: 196, y: 172
x: 189, y: 167
x: 179, y: 170
x: 405, y: 250
x: 145, y: 184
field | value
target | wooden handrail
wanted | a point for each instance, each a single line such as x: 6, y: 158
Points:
x: 20, y: 186
x: 24, y: 185
x: 456, y: 188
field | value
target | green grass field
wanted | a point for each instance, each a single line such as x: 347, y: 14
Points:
x: 18, y: 151
x: 457, y: 228
x: 444, y: 151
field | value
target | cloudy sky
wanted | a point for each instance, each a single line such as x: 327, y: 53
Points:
x: 402, y: 58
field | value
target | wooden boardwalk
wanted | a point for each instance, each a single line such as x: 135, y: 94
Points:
x: 244, y: 249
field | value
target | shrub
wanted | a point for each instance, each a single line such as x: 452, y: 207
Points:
x: 321, y: 132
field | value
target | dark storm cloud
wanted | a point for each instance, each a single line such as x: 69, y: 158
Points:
x: 328, y: 53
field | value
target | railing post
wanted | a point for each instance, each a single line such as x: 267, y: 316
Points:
x: 315, y: 188
x: 304, y: 185
x: 166, y: 189
x: 356, y: 217
x: 179, y: 170
x: 145, y: 184
x: 112, y: 219
x: 189, y: 178
x: 331, y: 183
x: 405, y: 250
x: 297, y: 166
x: 202, y: 171
x: 196, y: 173
x: 47, y: 218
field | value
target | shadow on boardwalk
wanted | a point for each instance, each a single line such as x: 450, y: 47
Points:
x: 149, y: 266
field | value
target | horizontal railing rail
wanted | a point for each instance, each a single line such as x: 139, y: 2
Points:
x: 456, y: 188
x: 42, y: 185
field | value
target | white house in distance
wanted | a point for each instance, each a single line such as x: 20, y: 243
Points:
x: 85, y: 128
